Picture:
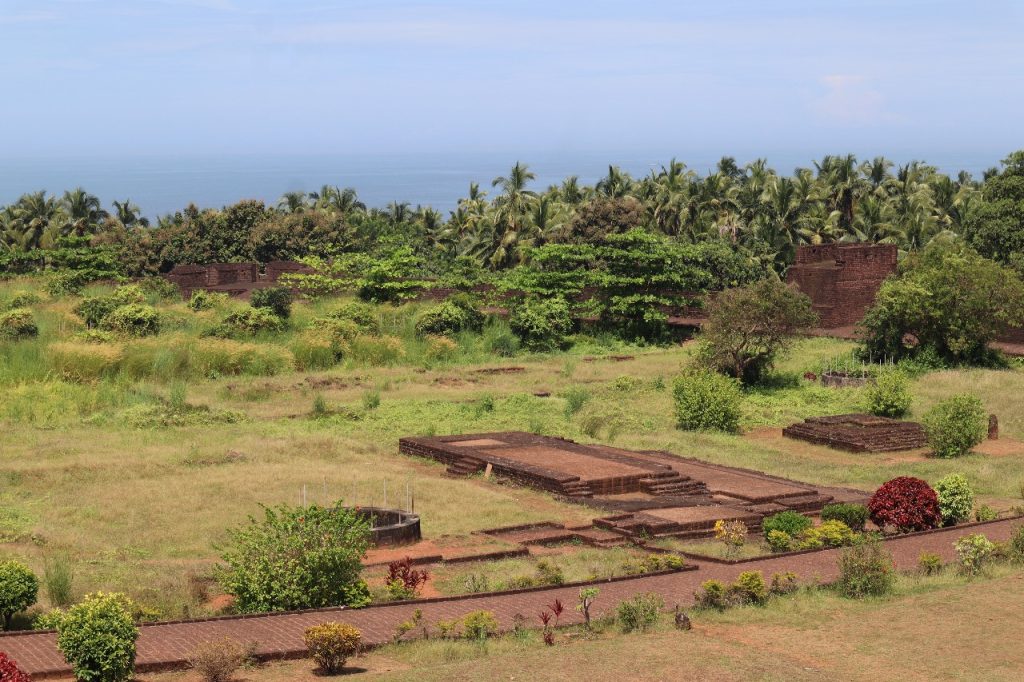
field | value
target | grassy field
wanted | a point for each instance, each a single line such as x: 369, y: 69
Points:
x: 138, y: 473
x: 936, y: 628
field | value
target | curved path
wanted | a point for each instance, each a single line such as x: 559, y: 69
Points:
x: 167, y: 645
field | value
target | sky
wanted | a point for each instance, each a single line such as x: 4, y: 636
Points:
x: 120, y: 77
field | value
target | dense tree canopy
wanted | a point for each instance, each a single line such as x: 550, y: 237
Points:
x: 996, y: 225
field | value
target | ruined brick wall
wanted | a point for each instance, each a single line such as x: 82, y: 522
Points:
x: 842, y: 279
x: 232, y: 273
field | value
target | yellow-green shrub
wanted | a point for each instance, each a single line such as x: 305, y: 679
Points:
x: 213, y: 357
x: 440, y: 348
x: 377, y: 351
x: 331, y: 644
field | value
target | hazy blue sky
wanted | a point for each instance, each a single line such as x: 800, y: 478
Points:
x: 182, y: 76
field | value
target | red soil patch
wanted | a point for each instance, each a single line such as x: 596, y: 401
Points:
x: 1002, y: 447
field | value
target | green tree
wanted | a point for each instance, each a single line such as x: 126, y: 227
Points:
x: 97, y: 637
x: 995, y: 226
x: 296, y: 558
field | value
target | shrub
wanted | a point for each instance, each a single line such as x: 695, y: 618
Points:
x: 784, y: 583
x: 133, y: 319
x: 956, y: 425
x: 18, y: 324
x: 733, y: 534
x: 216, y: 661
x: 502, y: 343
x: 789, y: 522
x: 639, y: 613
x: 94, y: 310
x: 929, y: 563
x: 66, y: 283
x: 331, y: 644
x: 706, y: 401
x: 549, y: 573
x: 749, y: 327
x: 10, y: 672
x: 127, y: 294
x: 48, y: 620
x: 362, y: 315
x: 94, y: 336
x: 956, y: 499
x: 404, y: 581
x: 905, y: 503
x: 479, y: 625
x: 828, y: 534
x: 889, y: 395
x: 974, y: 552
x: 853, y: 515
x: 163, y: 289
x: 985, y: 513
x: 23, y: 299
x: 277, y: 300
x: 865, y: 570
x: 97, y: 637
x: 19, y: 588
x: 247, y: 322
x: 541, y: 324
x: 712, y: 595
x: 779, y: 541
x: 455, y: 315
x: 749, y: 588
x: 296, y: 558
x: 440, y: 349
x: 204, y: 300
x: 314, y: 350
x: 1016, y: 544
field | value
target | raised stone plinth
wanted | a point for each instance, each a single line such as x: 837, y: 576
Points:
x: 859, y: 433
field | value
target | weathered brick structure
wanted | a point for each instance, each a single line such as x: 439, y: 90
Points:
x: 859, y: 433
x: 842, y: 279
x: 235, y: 279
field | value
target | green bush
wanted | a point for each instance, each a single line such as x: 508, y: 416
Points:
x: 127, y: 294
x: 94, y: 310
x: 23, y: 299
x: 479, y: 625
x: 789, y: 522
x: 956, y: 499
x: 501, y: 342
x: 331, y: 644
x: 1016, y: 544
x: 985, y: 513
x: 749, y: 588
x: 455, y: 315
x: 18, y: 324
x: 974, y: 552
x: 19, y: 588
x: 853, y: 515
x: 133, y: 319
x: 889, y: 394
x: 163, y: 289
x: 542, y: 324
x: 828, y: 534
x: 866, y: 570
x: 929, y: 563
x: 639, y: 613
x: 97, y: 637
x: 956, y: 425
x: 247, y: 322
x: 779, y: 541
x: 277, y: 300
x: 205, y: 300
x: 705, y: 401
x: 296, y: 558
x: 363, y: 315
x: 66, y: 283
x: 712, y: 595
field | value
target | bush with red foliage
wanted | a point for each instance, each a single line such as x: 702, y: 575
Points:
x: 907, y: 503
x: 405, y: 580
x: 10, y: 672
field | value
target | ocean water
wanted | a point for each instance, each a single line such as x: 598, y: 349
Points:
x: 164, y: 184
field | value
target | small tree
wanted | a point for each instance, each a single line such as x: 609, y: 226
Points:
x: 956, y: 499
x: 296, y: 558
x: 97, y: 637
x: 19, y: 588
x: 705, y: 401
x: 889, y: 394
x: 956, y: 425
x: 749, y: 327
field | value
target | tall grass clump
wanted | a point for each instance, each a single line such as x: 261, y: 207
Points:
x: 79, y: 361
x: 58, y: 578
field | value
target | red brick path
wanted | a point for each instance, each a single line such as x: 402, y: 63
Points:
x: 166, y: 645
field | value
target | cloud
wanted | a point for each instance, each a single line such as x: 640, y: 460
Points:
x: 851, y: 100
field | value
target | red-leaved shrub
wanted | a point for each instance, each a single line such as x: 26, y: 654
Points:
x: 907, y: 503
x: 10, y: 672
x: 403, y: 575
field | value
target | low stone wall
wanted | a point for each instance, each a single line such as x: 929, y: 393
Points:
x: 859, y: 433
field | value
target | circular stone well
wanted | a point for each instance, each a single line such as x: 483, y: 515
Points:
x: 389, y: 527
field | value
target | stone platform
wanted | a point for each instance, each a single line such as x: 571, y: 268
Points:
x: 652, y: 493
x: 859, y: 433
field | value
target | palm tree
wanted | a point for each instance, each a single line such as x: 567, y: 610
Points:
x: 616, y: 184
x: 128, y: 213
x: 33, y: 215
x: 511, y: 214
x: 844, y: 186
x: 293, y: 202
x: 82, y: 211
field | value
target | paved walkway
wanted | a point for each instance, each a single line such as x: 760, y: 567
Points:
x: 167, y: 645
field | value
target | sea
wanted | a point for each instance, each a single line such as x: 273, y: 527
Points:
x: 163, y: 184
